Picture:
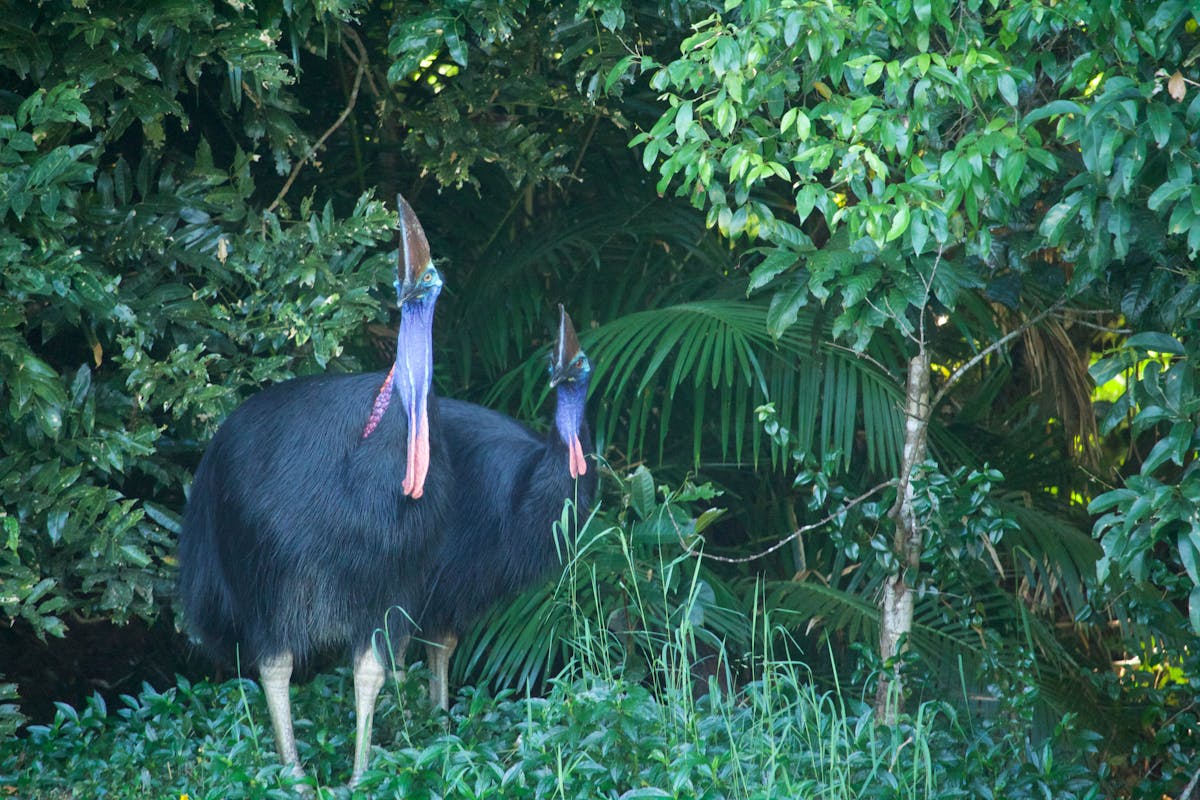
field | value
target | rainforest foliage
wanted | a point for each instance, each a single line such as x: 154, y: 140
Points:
x: 785, y: 229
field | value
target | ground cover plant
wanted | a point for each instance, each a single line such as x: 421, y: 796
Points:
x: 593, y: 733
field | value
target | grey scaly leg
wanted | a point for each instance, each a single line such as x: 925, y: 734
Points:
x: 368, y: 680
x: 439, y: 653
x: 276, y: 675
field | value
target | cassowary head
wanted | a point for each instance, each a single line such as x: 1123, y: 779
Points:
x: 418, y: 285
x: 417, y: 279
x: 570, y: 372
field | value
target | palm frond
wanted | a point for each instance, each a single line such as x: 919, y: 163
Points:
x: 951, y: 650
x: 716, y: 359
x: 611, y: 590
x: 1055, y: 559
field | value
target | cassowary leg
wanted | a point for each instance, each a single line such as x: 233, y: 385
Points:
x: 439, y: 653
x: 368, y: 680
x: 276, y: 676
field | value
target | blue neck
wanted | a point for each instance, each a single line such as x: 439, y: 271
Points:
x: 414, y: 352
x: 568, y: 417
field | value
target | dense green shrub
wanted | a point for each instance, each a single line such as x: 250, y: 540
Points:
x: 588, y: 738
x: 143, y: 291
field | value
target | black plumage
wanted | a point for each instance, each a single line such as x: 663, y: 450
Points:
x: 298, y: 536
x: 508, y: 495
x: 306, y: 530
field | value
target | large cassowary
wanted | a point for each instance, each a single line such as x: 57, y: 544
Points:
x: 304, y: 531
x: 509, y: 491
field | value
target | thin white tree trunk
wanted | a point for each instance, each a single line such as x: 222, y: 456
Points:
x: 896, y: 604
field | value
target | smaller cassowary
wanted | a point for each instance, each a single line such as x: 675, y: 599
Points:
x: 304, y: 532
x: 508, y: 495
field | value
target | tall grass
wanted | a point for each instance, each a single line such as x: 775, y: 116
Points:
x: 627, y: 717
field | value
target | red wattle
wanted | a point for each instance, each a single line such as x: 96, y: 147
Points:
x: 418, y: 457
x: 578, y: 462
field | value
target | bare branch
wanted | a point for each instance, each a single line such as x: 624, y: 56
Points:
x: 358, y: 76
x: 866, y: 357
x: 957, y: 375
x: 361, y: 58
x: 793, y: 535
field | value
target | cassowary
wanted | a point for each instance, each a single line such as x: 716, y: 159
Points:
x: 304, y: 531
x: 510, y: 485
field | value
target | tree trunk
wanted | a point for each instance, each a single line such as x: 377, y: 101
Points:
x: 896, y: 605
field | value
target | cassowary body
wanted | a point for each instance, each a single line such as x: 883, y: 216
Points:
x: 302, y: 533
x: 508, y: 495
x: 306, y: 539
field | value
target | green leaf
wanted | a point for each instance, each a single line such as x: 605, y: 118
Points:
x: 1155, y: 342
x: 777, y: 261
x: 1173, y: 447
x: 12, y: 533
x: 1168, y: 193
x: 1189, y: 554
x: 1159, y: 120
x: 1052, y: 109
x: 1008, y: 89
x: 683, y: 119
x: 1054, y: 224
x: 785, y: 308
x: 806, y: 200
x: 641, y: 492
x: 1110, y: 500
x: 726, y: 55
x: 899, y: 224
x: 872, y: 73
x: 618, y: 71
x: 792, y: 25
x: 708, y: 517
x: 919, y: 232
x: 56, y: 523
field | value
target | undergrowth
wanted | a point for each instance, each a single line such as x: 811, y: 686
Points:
x: 598, y: 731
x: 587, y: 738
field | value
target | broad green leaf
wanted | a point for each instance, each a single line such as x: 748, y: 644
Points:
x: 777, y: 261
x: 618, y: 71
x: 1051, y: 109
x: 642, y: 492
x: 1008, y: 89
x: 1155, y: 342
x: 683, y: 119
x: 1168, y: 193
x: 785, y: 308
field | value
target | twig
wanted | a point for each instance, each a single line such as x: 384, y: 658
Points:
x: 957, y: 375
x: 793, y: 535
x: 1100, y: 328
x: 362, y: 57
x: 583, y: 148
x: 358, y: 76
x: 1189, y: 791
x: 865, y: 357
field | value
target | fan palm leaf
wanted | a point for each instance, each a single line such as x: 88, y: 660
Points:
x: 716, y: 359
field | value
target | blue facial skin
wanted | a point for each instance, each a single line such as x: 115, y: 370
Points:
x: 571, y: 381
x: 414, y: 350
x: 425, y: 289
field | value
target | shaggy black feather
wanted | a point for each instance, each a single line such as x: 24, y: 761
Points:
x: 510, y: 488
x: 297, y: 536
